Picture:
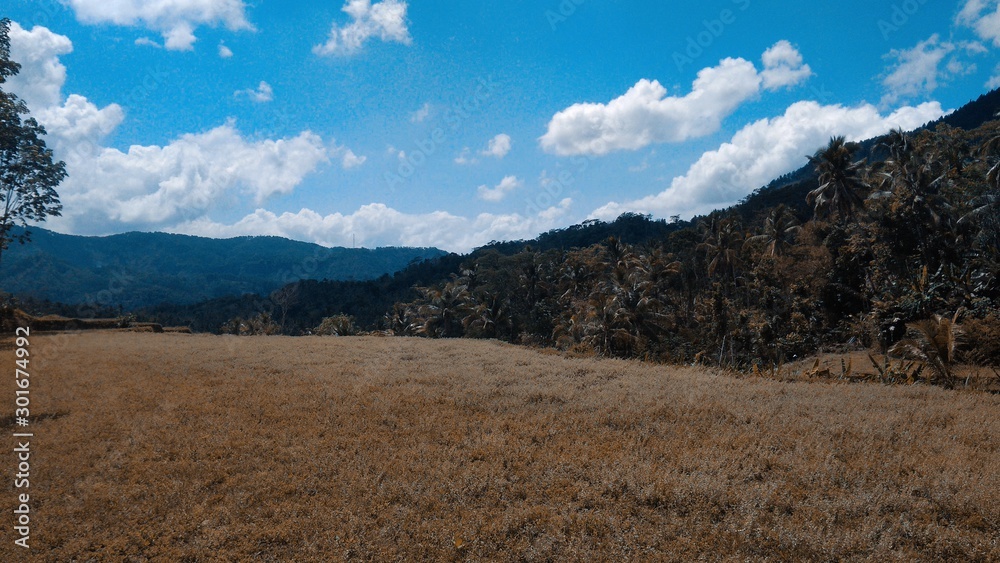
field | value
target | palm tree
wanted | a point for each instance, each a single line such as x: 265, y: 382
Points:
x: 443, y: 310
x: 723, y: 240
x: 780, y: 229
x: 934, y: 342
x: 991, y: 150
x: 490, y: 316
x: 897, y: 143
x: 840, y: 181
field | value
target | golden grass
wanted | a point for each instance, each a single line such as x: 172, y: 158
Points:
x: 172, y: 447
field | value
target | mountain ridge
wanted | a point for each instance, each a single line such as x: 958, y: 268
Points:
x: 137, y: 269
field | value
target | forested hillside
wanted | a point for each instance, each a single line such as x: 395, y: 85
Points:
x: 134, y: 270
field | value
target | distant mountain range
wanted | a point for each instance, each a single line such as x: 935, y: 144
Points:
x: 134, y: 270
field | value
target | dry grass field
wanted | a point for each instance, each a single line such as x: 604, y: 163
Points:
x: 174, y: 447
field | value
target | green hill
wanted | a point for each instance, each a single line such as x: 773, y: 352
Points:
x: 135, y: 270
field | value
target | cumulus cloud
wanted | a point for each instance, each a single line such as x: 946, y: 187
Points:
x: 783, y: 67
x: 377, y: 224
x: 78, y: 126
x: 175, y: 20
x: 983, y: 17
x: 385, y: 20
x: 500, y: 191
x: 765, y: 150
x: 347, y: 157
x: 498, y: 146
x: 263, y: 94
x: 42, y: 75
x: 994, y: 81
x: 645, y: 114
x: 74, y: 125
x: 151, y: 186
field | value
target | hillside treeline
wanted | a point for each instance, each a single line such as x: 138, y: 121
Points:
x: 910, y: 236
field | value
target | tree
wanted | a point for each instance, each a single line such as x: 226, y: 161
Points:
x: 721, y: 244
x: 839, y: 179
x: 932, y: 341
x: 28, y: 173
x: 780, y: 229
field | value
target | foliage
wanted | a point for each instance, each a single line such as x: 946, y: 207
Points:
x: 839, y: 180
x: 740, y: 292
x: 259, y: 325
x: 28, y: 174
x: 933, y: 342
x: 337, y: 325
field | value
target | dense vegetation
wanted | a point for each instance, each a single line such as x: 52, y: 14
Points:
x: 912, y: 237
x: 135, y: 270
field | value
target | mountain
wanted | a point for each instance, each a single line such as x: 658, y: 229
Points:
x: 134, y: 270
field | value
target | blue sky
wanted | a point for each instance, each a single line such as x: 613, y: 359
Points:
x: 450, y: 124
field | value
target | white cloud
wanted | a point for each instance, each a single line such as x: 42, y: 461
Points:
x: 500, y: 191
x: 73, y: 125
x: 783, y: 67
x: 994, y: 81
x: 465, y: 157
x: 983, y: 16
x: 421, y: 114
x: 78, y: 126
x: 764, y: 150
x: 263, y: 94
x: 42, y: 75
x: 379, y: 225
x: 225, y: 52
x: 151, y: 186
x: 385, y: 20
x: 147, y: 42
x: 347, y: 157
x: 175, y: 20
x: 498, y: 146
x: 645, y: 114
x: 917, y: 70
